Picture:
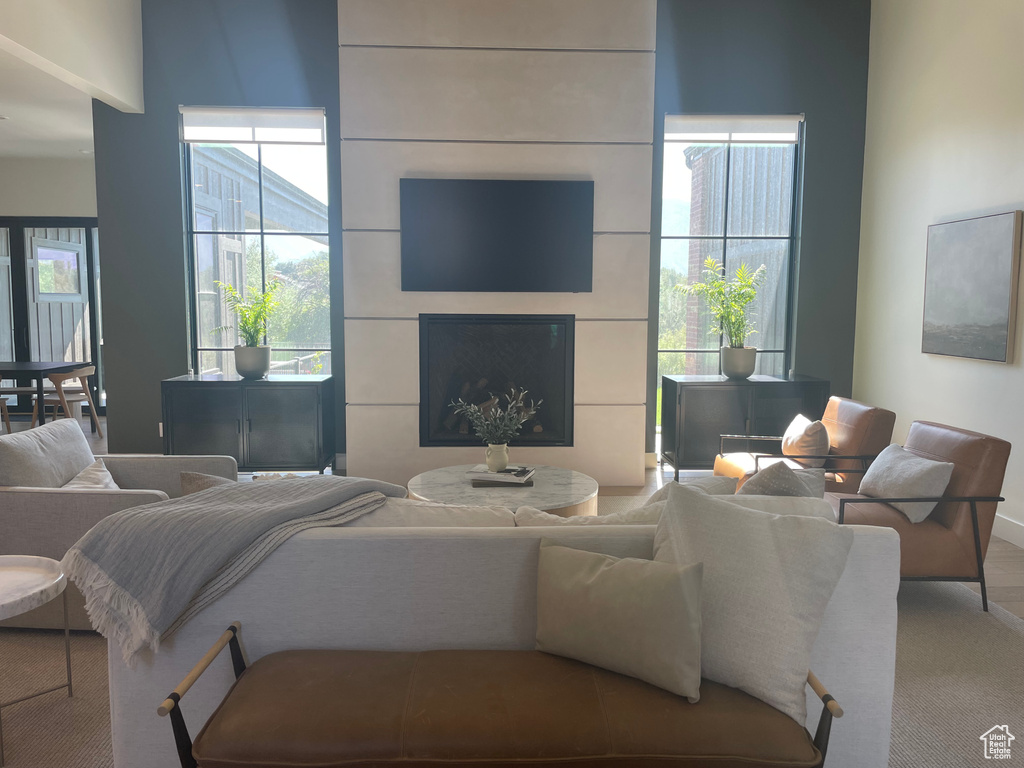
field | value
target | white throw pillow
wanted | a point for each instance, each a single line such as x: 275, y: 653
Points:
x: 95, y: 475
x: 804, y: 437
x: 413, y: 513
x: 800, y: 506
x: 45, y: 457
x: 636, y: 617
x: 648, y: 514
x: 897, y: 473
x: 779, y: 480
x: 712, y: 485
x: 767, y: 581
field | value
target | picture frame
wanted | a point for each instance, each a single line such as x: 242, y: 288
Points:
x: 970, y: 297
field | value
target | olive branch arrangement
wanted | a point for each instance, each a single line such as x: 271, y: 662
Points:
x: 494, y: 424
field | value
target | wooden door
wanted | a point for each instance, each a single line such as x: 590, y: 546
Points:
x: 57, y: 272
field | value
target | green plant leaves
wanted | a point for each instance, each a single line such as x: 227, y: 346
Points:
x: 253, y: 313
x: 727, y: 300
x: 494, y: 424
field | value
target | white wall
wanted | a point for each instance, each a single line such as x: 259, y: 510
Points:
x: 47, y: 187
x: 530, y: 89
x: 945, y: 140
x: 96, y: 46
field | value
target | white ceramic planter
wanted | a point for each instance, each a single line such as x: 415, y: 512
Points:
x: 497, y: 457
x: 252, y: 362
x: 738, y: 362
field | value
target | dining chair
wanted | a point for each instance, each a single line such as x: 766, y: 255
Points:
x: 61, y: 397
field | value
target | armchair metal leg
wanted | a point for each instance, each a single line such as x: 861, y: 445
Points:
x: 978, y: 555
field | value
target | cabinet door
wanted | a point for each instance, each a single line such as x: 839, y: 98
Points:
x: 282, y: 426
x: 204, y: 419
x: 776, y: 405
x: 707, y: 413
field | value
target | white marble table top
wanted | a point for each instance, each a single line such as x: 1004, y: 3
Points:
x: 553, y: 488
x: 26, y: 582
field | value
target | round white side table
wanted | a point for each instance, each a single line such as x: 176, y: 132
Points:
x: 559, y: 491
x: 27, y: 582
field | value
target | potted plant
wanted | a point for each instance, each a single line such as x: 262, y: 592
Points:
x: 728, y: 301
x: 252, y: 359
x: 497, y: 425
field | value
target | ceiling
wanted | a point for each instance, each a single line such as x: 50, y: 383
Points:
x: 46, y: 117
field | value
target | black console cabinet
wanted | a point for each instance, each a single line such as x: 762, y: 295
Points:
x: 697, y: 410
x: 277, y: 423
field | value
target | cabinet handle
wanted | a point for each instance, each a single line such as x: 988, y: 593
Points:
x: 238, y: 425
x: 249, y: 424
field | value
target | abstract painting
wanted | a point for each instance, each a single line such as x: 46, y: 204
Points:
x: 970, y: 292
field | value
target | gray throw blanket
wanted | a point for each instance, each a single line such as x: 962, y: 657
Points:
x: 145, y: 571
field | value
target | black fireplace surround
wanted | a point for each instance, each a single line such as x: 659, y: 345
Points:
x: 477, y: 357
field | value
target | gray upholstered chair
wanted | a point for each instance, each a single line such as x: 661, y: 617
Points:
x: 40, y: 517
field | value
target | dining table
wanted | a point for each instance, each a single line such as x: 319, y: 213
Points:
x: 37, y: 370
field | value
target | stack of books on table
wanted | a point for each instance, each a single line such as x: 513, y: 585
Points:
x: 512, y: 475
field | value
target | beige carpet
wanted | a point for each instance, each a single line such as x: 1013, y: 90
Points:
x: 54, y: 731
x: 959, y: 672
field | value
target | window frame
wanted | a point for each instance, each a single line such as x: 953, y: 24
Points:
x: 793, y: 239
x: 190, y: 207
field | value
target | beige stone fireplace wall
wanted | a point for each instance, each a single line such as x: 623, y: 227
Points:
x: 547, y: 89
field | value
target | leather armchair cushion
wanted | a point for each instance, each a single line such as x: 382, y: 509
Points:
x: 484, y: 708
x: 927, y: 548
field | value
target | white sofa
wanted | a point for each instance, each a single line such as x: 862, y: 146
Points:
x: 403, y: 588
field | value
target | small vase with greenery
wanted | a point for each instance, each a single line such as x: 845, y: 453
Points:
x: 252, y: 359
x: 496, y: 425
x: 728, y: 301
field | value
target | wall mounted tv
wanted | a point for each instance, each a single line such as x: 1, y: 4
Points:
x: 497, y: 235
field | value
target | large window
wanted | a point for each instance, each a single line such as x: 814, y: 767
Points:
x: 729, y: 191
x: 257, y: 214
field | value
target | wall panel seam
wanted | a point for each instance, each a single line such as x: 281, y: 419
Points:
x: 524, y: 49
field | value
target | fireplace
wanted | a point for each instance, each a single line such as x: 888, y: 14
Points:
x: 477, y: 357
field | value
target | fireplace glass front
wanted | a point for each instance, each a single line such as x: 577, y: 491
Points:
x: 480, y: 357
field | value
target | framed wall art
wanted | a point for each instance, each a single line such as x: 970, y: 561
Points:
x: 970, y: 292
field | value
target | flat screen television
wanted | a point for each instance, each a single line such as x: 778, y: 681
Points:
x: 497, y: 235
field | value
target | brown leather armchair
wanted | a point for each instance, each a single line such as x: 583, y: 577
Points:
x: 856, y: 434
x: 950, y: 544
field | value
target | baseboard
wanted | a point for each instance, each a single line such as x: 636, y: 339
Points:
x: 1009, y: 530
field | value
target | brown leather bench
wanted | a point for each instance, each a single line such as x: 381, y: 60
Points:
x: 363, y: 709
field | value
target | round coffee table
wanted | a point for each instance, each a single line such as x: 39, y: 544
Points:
x: 27, y: 582
x: 558, y: 491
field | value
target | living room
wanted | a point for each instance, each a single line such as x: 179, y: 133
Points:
x: 887, y: 118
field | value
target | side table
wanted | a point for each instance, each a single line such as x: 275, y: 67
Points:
x: 26, y: 582
x: 559, y: 491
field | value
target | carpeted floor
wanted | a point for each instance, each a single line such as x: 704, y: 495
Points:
x: 959, y: 672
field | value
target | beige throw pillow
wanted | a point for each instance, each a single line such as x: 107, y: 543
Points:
x: 767, y: 581
x: 635, y: 617
x: 806, y: 438
x: 194, y: 482
x: 897, y: 473
x: 96, y: 475
x: 779, y: 480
